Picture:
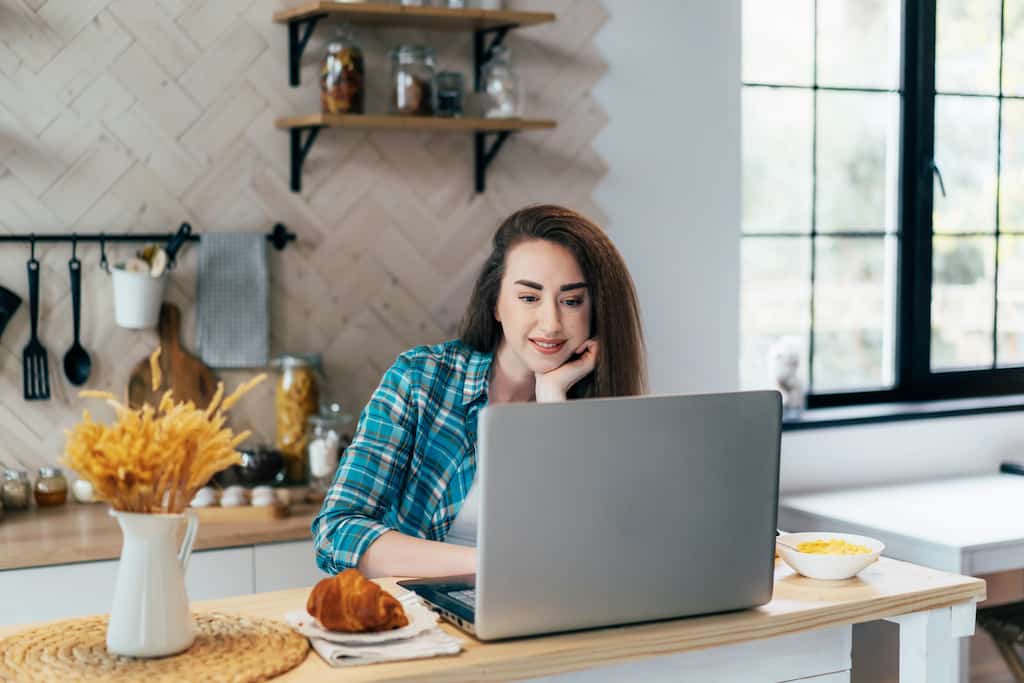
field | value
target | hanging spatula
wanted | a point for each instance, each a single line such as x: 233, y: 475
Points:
x: 34, y: 364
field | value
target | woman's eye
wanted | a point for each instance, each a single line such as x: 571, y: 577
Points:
x: 528, y: 298
x: 573, y: 302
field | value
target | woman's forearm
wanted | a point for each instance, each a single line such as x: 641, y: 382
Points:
x: 396, y: 554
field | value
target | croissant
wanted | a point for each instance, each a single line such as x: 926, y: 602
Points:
x: 350, y: 602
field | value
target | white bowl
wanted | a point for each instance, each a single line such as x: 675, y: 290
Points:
x: 829, y: 567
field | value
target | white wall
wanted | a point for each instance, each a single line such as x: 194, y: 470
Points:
x: 899, y: 451
x: 672, y: 196
x: 672, y: 147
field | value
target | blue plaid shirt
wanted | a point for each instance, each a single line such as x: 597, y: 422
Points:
x: 413, y: 457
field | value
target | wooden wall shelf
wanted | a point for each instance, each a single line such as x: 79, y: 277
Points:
x: 301, y: 21
x: 411, y: 123
x: 429, y: 18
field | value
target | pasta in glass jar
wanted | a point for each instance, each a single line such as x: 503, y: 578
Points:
x: 296, y: 397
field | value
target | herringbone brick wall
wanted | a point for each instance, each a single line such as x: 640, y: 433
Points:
x: 136, y: 115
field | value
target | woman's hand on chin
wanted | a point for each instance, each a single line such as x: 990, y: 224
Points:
x: 552, y: 386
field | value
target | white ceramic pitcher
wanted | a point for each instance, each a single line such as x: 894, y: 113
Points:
x: 150, y: 615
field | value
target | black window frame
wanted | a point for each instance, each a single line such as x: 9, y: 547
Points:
x: 914, y: 381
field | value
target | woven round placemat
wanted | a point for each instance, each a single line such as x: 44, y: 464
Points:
x: 227, y: 648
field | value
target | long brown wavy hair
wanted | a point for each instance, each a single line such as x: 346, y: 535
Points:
x: 621, y: 368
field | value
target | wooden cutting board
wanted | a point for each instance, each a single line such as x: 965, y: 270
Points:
x: 188, y: 376
x: 241, y: 514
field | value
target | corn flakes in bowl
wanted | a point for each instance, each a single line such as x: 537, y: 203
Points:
x: 829, y: 555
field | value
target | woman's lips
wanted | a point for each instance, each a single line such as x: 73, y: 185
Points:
x: 547, y: 346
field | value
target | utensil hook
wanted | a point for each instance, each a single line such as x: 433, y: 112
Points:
x: 104, y: 264
x: 32, y: 242
x: 74, y: 247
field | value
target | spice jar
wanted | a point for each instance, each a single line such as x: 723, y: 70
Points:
x: 326, y: 441
x: 15, y: 490
x: 295, y: 399
x: 51, y: 487
x: 448, y: 90
x: 412, y: 73
x: 342, y: 75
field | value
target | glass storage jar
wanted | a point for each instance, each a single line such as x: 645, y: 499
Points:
x: 448, y: 89
x: 51, y: 487
x: 342, y: 83
x: 297, y: 396
x: 326, y: 440
x: 16, y: 490
x: 502, y: 91
x: 412, y: 76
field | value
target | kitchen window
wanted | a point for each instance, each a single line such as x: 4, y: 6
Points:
x: 883, y: 196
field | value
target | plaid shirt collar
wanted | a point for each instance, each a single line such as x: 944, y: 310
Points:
x: 478, y: 371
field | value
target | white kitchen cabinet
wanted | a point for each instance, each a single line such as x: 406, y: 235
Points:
x: 74, y: 590
x: 219, y: 573
x: 277, y: 566
x: 819, y: 656
x: 56, y: 592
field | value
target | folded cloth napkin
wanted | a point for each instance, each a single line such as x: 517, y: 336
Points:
x: 233, y: 319
x: 431, y: 642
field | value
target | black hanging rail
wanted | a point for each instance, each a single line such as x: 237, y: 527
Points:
x: 279, y: 236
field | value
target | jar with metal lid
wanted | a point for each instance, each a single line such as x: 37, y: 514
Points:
x: 412, y: 75
x: 448, y: 90
x: 15, y: 490
x: 342, y: 74
x: 326, y: 440
x: 502, y: 89
x: 51, y: 487
x: 296, y: 397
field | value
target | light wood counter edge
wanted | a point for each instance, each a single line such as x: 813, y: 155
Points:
x: 86, y: 533
x: 886, y: 589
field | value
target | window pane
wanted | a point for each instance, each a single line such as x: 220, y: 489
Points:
x: 1011, y: 301
x: 1011, y: 187
x: 967, y: 46
x: 775, y: 302
x: 965, y: 152
x: 858, y: 43
x: 963, y: 297
x: 854, y: 286
x: 778, y: 42
x: 776, y: 160
x: 1013, y: 48
x: 858, y: 160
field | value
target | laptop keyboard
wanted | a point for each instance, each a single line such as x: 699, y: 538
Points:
x: 467, y: 596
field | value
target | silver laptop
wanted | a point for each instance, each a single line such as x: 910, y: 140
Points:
x: 610, y: 511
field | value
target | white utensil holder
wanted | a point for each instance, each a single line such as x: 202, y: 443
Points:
x: 137, y: 298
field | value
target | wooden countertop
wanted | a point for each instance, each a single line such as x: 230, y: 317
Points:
x: 84, y: 533
x: 885, y: 589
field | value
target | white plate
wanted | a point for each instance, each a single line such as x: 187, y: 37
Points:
x: 420, y: 619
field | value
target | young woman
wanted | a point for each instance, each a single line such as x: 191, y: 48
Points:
x: 554, y: 316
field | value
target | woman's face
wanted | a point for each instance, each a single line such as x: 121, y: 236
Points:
x: 544, y: 305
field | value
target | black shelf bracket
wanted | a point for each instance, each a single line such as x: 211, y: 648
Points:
x: 299, y: 33
x: 483, y: 51
x: 483, y: 156
x: 299, y: 151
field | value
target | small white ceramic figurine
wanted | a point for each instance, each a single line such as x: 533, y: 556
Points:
x: 784, y: 360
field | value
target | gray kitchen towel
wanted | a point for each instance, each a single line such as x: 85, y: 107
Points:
x: 233, y: 319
